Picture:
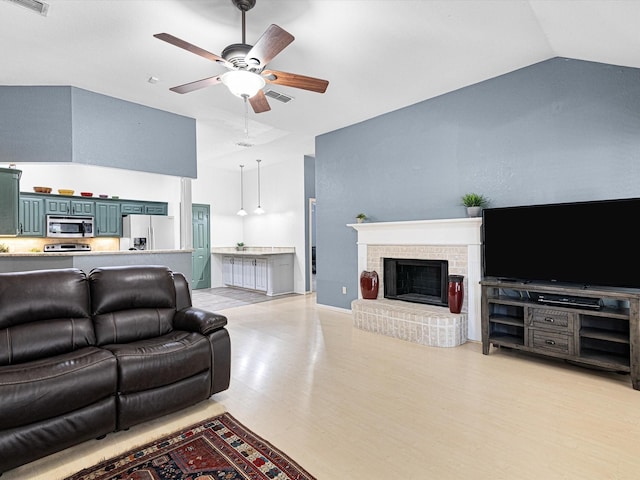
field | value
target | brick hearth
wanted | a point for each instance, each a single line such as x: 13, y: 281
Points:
x: 454, y: 240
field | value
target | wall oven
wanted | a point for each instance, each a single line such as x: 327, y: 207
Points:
x: 69, y: 227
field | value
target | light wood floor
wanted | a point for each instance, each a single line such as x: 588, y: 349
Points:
x: 348, y: 404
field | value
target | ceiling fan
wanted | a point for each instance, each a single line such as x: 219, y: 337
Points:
x: 246, y: 75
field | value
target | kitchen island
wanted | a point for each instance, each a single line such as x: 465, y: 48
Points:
x: 176, y: 260
x: 264, y: 269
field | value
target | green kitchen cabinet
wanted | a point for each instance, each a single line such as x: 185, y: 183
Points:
x: 155, y: 208
x: 132, y: 208
x: 108, y: 219
x: 144, y: 208
x: 9, y: 200
x: 61, y: 206
x: 31, y: 216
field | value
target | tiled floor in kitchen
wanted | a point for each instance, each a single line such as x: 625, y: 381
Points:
x: 220, y: 298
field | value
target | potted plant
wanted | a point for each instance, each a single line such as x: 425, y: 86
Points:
x: 474, y: 203
x: 361, y: 217
x: 240, y: 246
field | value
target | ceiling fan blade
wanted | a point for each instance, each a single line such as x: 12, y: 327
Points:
x: 270, y: 44
x: 294, y: 80
x: 191, y: 48
x: 198, y: 84
x: 259, y: 102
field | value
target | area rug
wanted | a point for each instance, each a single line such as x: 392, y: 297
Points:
x: 220, y: 448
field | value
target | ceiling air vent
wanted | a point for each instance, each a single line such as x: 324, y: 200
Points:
x: 39, y: 7
x: 278, y: 96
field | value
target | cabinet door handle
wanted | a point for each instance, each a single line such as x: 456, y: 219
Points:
x: 549, y: 319
x: 550, y: 342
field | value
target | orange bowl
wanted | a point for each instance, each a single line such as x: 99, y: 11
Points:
x: 42, y: 189
x: 86, y: 194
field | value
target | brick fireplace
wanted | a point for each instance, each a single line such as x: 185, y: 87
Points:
x: 455, y: 240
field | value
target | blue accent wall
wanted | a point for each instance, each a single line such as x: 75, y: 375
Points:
x: 68, y: 124
x: 35, y: 124
x: 558, y: 130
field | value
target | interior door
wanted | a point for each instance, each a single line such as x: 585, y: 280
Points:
x: 201, y: 257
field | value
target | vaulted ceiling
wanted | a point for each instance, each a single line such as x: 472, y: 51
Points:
x: 378, y: 55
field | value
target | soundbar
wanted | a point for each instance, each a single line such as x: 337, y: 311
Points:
x: 570, y: 301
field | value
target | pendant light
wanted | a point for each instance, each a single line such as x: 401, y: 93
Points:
x: 242, y: 212
x: 259, y: 210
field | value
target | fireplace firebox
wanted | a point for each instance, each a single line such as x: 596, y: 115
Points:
x: 416, y: 280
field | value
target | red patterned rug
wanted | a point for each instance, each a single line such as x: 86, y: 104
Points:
x: 220, y: 448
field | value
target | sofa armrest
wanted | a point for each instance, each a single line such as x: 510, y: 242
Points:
x: 193, y: 319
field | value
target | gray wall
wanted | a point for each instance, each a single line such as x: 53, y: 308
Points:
x: 309, y: 192
x: 68, y: 124
x: 559, y: 130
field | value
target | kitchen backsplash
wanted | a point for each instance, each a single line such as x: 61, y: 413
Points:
x: 26, y: 245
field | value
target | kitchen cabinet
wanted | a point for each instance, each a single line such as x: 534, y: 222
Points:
x: 272, y: 274
x: 237, y: 272
x: 143, y: 208
x: 261, y: 274
x: 31, y: 216
x: 227, y: 270
x: 9, y: 200
x: 108, y: 219
x: 249, y: 273
x: 60, y: 206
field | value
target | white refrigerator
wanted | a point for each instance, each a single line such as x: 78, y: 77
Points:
x: 147, y: 232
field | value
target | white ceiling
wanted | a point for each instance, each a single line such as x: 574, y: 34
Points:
x: 378, y: 55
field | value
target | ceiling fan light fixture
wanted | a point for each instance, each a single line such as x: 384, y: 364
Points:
x: 242, y: 83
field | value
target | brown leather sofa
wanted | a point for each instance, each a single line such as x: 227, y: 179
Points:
x: 82, y: 356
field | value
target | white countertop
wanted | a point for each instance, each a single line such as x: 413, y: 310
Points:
x: 253, y: 251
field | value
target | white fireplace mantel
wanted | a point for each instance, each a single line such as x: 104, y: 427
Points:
x: 456, y: 232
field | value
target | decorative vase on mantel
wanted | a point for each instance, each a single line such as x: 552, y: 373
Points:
x: 369, y: 284
x: 455, y: 293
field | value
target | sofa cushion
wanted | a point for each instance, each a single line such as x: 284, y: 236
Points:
x: 160, y: 361
x: 131, y: 303
x: 44, y: 313
x: 54, y: 386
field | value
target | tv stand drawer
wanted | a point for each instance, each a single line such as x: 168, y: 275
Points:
x: 550, y: 319
x: 541, y: 340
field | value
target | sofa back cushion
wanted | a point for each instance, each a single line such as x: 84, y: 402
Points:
x: 132, y: 303
x: 43, y: 313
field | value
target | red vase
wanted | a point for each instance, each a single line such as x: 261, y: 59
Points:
x: 456, y: 293
x: 369, y: 285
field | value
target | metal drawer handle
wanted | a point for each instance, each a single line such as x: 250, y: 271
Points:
x: 550, y: 342
x: 549, y: 319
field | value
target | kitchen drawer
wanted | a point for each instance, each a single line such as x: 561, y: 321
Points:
x: 550, y: 319
x: 551, y: 342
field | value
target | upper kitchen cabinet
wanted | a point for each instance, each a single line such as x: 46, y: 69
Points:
x: 143, y: 208
x: 9, y: 200
x: 108, y: 219
x: 63, y: 206
x: 31, y: 216
x: 58, y: 124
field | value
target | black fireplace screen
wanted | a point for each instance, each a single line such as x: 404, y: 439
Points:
x: 415, y: 280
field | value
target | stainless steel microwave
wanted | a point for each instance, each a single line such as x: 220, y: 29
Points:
x: 69, y: 227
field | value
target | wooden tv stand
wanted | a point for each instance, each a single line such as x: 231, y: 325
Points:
x: 606, y: 336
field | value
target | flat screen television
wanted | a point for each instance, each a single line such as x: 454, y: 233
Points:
x: 588, y: 244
